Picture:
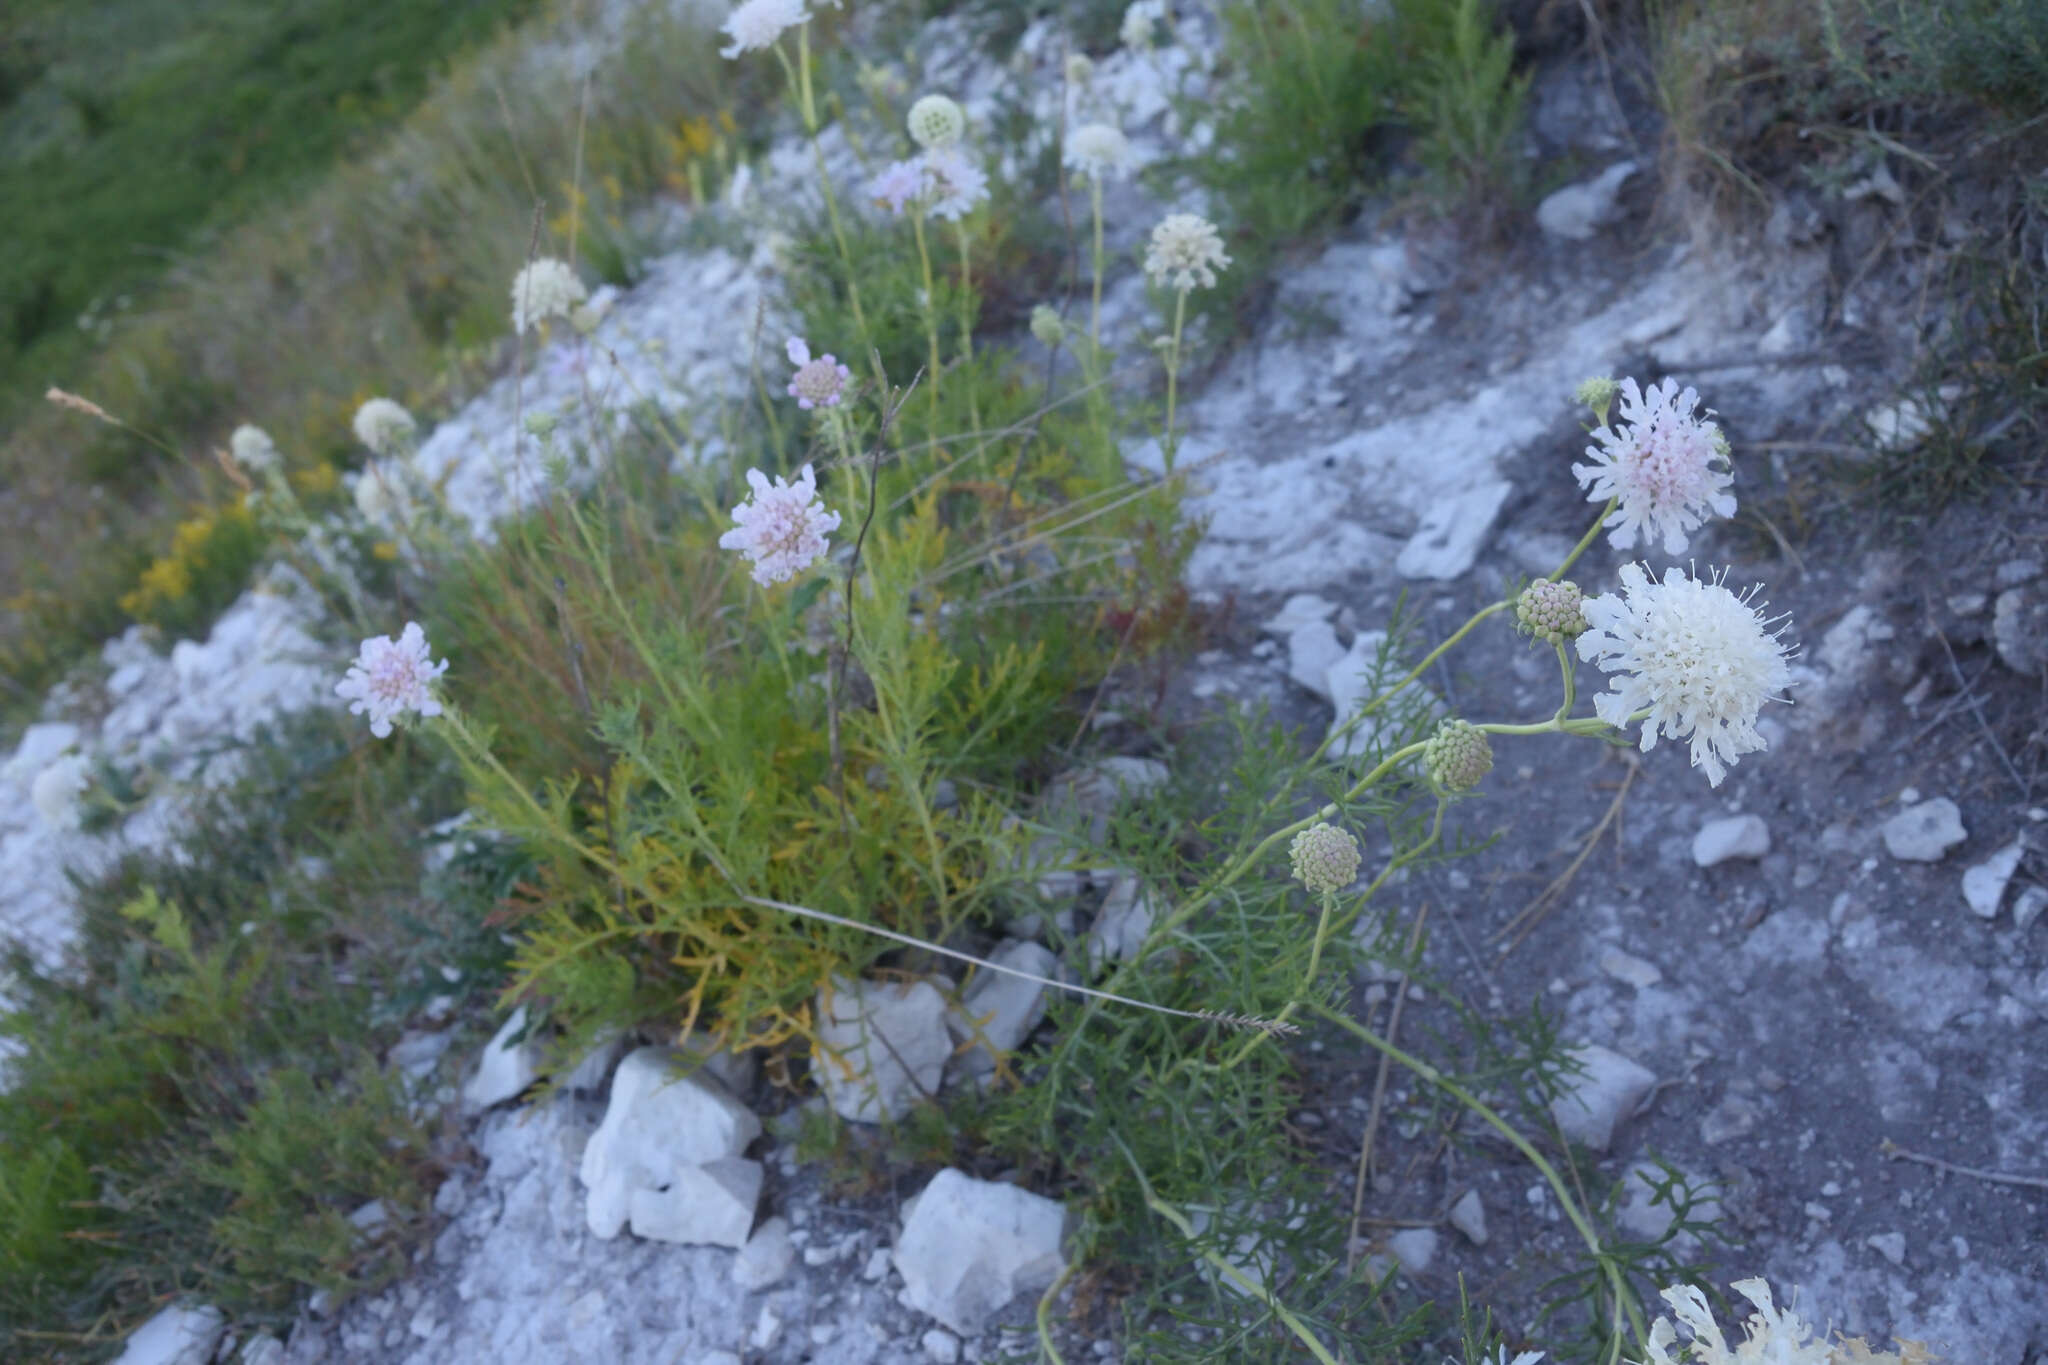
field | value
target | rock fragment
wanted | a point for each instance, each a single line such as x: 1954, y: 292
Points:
x: 882, y: 1047
x: 1735, y: 836
x: 970, y: 1246
x: 1606, y: 1093
x: 1924, y: 833
x: 1984, y: 885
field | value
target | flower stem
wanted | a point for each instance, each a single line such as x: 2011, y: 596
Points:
x: 1095, y: 297
x: 1585, y: 540
x: 931, y: 315
x: 800, y: 81
x: 967, y: 322
x: 1168, y: 445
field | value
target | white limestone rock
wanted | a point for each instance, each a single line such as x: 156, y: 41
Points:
x: 1984, y: 885
x: 1603, y: 1096
x: 1924, y: 833
x: 766, y: 1258
x: 1453, y: 529
x: 970, y: 1246
x: 1576, y: 212
x: 706, y: 1205
x: 1311, y: 651
x: 1468, y: 1216
x: 2027, y: 907
x: 178, y: 1335
x: 659, y: 1123
x: 1301, y: 610
x: 506, y: 1068
x: 998, y: 1011
x: 1122, y: 924
x: 1735, y: 836
x: 1413, y: 1248
x: 882, y: 1045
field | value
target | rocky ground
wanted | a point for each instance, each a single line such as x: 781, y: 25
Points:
x: 1836, y: 951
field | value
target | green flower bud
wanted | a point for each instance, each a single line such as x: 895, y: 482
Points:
x: 1552, y: 612
x: 1457, y: 756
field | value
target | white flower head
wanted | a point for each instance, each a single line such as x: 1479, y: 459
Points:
x: 545, y: 288
x: 253, y: 450
x: 1700, y: 659
x: 756, y: 24
x: 781, y: 527
x: 56, y: 790
x: 1773, y: 1336
x: 953, y: 182
x: 382, y: 499
x: 1186, y: 250
x: 1098, y: 150
x: 384, y: 426
x: 391, y: 677
x: 819, y: 382
x: 936, y: 122
x: 1668, y: 468
x: 1080, y: 71
x: 1140, y: 20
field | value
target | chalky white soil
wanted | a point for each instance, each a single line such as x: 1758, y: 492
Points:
x: 1791, y: 1006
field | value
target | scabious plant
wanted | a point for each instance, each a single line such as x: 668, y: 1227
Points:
x: 1667, y: 468
x: 818, y: 382
x: 56, y: 790
x: 781, y: 527
x: 385, y: 427
x: 1693, y: 659
x: 391, y: 678
x: 1185, y: 252
x: 1141, y: 20
x: 545, y: 288
x: 252, y: 449
x: 1047, y: 325
x: 757, y: 24
x: 1771, y: 1336
x: 1098, y: 150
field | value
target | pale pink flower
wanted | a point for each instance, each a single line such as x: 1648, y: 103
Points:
x: 390, y: 677
x: 781, y: 527
x: 897, y: 184
x: 1668, y: 468
x: 953, y: 182
x: 818, y: 383
x: 756, y: 24
x: 1701, y: 660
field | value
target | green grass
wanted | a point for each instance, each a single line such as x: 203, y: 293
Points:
x: 130, y: 127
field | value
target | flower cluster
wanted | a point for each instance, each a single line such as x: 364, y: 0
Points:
x: 781, y: 527
x: 936, y: 122
x: 252, y: 449
x: 1186, y: 250
x: 391, y: 677
x: 1667, y: 468
x: 817, y: 383
x: 1098, y: 150
x: 1325, y: 859
x: 1552, y: 612
x: 756, y: 24
x: 56, y: 790
x: 384, y: 426
x: 1457, y: 756
x: 1699, y: 659
x: 546, y: 288
x: 1772, y: 1336
x: 1047, y: 325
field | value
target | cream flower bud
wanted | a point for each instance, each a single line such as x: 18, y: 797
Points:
x: 1325, y: 859
x: 1457, y: 756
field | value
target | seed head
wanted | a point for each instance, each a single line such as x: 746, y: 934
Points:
x: 936, y: 122
x: 1325, y: 858
x: 1047, y: 325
